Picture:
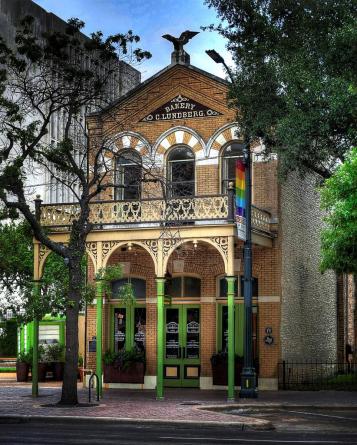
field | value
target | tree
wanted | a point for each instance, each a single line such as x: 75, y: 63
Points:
x: 57, y: 73
x: 295, y: 77
x: 339, y: 200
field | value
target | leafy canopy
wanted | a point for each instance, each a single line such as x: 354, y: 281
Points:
x: 295, y: 77
x: 339, y: 199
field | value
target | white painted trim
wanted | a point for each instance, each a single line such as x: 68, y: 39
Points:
x: 267, y: 384
x: 150, y: 382
x: 206, y: 383
x: 269, y: 299
x: 208, y: 300
x: 151, y: 300
x: 166, y: 133
x: 216, y: 134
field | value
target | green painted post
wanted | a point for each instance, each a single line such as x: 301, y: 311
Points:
x: 160, y: 288
x: 99, y: 335
x: 231, y: 353
x: 35, y: 324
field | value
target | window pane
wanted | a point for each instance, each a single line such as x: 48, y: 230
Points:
x: 119, y: 329
x: 192, y: 287
x: 224, y: 325
x: 173, y: 287
x: 172, y: 333
x: 140, y: 328
x: 139, y: 287
x: 193, y: 333
x: 181, y: 169
x: 128, y: 175
x: 223, y: 288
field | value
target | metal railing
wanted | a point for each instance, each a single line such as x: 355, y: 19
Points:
x: 91, y: 385
x: 314, y: 375
x: 150, y: 211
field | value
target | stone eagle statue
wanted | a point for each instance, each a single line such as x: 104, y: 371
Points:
x: 179, y: 42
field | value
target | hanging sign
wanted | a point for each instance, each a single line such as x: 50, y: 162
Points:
x: 240, y: 200
x: 180, y: 107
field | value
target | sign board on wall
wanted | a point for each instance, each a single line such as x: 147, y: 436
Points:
x: 180, y: 107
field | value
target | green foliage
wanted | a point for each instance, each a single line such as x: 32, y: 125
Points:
x: 8, y: 339
x: 295, y: 77
x: 55, y: 352
x: 339, y: 200
x: 112, y: 273
x: 25, y: 357
x: 123, y: 359
x: 80, y: 361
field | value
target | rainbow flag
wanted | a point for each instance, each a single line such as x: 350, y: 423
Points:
x: 240, y: 189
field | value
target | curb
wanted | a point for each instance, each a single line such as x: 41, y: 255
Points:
x: 275, y: 406
x: 261, y: 425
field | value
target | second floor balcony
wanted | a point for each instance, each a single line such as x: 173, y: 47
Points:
x: 145, y: 213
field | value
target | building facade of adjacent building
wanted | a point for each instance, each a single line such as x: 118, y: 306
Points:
x: 40, y: 181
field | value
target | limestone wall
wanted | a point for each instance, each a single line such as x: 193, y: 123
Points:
x: 309, y: 307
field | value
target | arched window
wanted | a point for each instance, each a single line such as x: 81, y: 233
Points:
x: 139, y: 287
x: 128, y: 171
x: 181, y: 172
x: 230, y: 154
x: 183, y: 287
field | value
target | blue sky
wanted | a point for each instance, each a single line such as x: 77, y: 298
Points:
x: 150, y: 19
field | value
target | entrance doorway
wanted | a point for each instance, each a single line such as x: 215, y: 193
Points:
x: 182, y: 346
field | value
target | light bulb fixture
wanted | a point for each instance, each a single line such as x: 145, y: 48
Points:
x: 130, y: 246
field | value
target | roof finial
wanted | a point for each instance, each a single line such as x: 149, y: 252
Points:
x: 179, y: 55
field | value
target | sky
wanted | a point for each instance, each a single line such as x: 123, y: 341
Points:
x: 150, y: 19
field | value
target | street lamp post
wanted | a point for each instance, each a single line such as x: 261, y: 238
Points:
x: 248, y: 376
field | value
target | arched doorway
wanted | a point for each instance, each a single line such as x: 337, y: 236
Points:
x: 189, y: 318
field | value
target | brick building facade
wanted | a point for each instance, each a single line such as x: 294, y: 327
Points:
x: 179, y: 124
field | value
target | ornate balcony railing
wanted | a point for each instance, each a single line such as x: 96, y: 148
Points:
x: 148, y: 212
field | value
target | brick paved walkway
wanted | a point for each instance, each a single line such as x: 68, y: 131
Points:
x: 179, y: 404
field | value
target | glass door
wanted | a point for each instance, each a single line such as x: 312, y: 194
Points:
x: 182, y: 346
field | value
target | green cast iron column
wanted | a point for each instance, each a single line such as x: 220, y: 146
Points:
x: 36, y: 291
x: 99, y: 334
x: 230, y: 298
x: 160, y: 289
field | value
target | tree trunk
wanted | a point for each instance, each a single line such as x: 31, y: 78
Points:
x: 69, y: 386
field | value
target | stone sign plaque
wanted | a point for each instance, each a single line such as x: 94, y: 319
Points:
x: 180, y: 107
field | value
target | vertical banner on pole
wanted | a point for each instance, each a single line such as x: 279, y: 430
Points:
x: 240, y: 200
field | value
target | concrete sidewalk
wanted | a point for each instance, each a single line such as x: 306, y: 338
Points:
x: 179, y: 405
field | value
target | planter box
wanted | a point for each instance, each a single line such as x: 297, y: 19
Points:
x: 42, y: 371
x: 220, y: 371
x: 133, y: 374
x: 22, y: 371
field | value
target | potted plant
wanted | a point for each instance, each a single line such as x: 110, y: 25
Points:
x: 55, y: 353
x: 124, y: 366
x: 23, y: 363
